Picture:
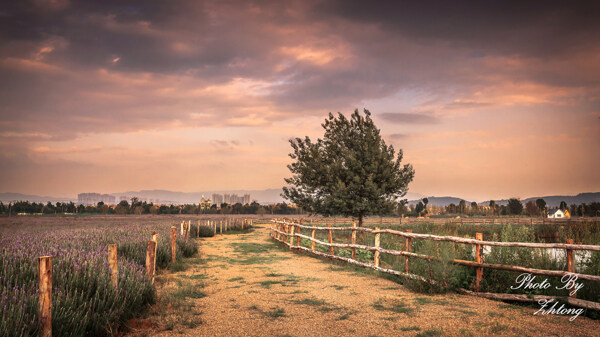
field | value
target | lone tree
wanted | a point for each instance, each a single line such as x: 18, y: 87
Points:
x: 350, y: 172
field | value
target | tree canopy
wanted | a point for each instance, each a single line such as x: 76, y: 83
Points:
x: 515, y: 206
x: 350, y: 172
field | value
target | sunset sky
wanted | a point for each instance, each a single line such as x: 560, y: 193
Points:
x: 488, y: 99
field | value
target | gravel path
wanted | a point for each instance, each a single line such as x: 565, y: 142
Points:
x: 255, y: 287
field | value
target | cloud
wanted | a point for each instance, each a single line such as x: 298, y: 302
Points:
x: 408, y: 118
x: 79, y: 70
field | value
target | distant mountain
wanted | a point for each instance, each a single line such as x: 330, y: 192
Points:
x: 273, y: 196
x: 439, y: 201
x: 12, y: 197
x: 554, y: 200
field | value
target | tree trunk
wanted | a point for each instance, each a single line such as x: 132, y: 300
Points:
x: 360, y: 221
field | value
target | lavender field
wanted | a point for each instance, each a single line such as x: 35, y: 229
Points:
x: 84, y: 302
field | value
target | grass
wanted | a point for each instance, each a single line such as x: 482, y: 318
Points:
x: 239, y: 278
x: 269, y: 283
x: 336, y: 287
x: 495, y: 328
x: 410, y: 328
x: 423, y: 300
x: 311, y: 301
x: 178, y: 266
x: 275, y: 313
x: 343, y: 317
x: 189, y: 291
x: 430, y: 332
x: 392, y: 305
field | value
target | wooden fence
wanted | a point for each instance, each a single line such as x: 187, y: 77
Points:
x: 387, y: 221
x: 45, y: 263
x: 286, y: 231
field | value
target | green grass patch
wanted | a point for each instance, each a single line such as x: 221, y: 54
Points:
x: 239, y: 278
x: 189, y: 292
x: 495, y: 328
x: 343, y: 317
x: 311, y: 301
x: 384, y: 304
x: 336, y: 287
x: 410, y: 328
x: 178, y: 266
x: 430, y: 332
x: 423, y: 300
x: 275, y: 313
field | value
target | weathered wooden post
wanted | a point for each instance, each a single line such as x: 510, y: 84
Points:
x: 198, y: 232
x: 377, y: 243
x: 478, y: 259
x: 173, y: 243
x: 313, y: 236
x: 298, y: 231
x: 330, y: 239
x: 155, y: 239
x: 408, y: 249
x: 45, y: 299
x: 112, y: 265
x: 571, y: 263
x: 292, y: 228
x: 353, y: 240
x: 181, y: 225
x: 150, y: 253
x: 221, y: 227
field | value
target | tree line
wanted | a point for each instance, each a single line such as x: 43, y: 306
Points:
x: 134, y: 206
x: 513, y: 207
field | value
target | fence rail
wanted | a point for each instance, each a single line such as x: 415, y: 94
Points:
x: 460, y: 220
x: 286, y: 231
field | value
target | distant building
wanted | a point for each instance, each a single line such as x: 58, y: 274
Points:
x: 558, y: 214
x: 230, y: 199
x: 205, y: 203
x: 92, y: 199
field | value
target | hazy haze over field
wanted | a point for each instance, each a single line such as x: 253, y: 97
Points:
x: 486, y: 100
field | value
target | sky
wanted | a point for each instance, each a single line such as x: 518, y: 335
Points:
x: 487, y: 99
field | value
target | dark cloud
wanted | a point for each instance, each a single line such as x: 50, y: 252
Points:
x: 398, y: 136
x: 408, y: 118
x: 73, y: 67
x: 507, y: 27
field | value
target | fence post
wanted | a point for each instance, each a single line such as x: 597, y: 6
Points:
x: 353, y: 240
x: 408, y: 248
x: 377, y: 243
x: 155, y: 239
x: 198, y: 232
x: 292, y: 228
x: 330, y: 239
x: 181, y: 225
x: 298, y: 232
x: 112, y: 265
x: 221, y: 227
x: 313, y: 236
x: 571, y: 263
x: 478, y: 259
x: 45, y: 299
x: 150, y: 253
x: 173, y: 243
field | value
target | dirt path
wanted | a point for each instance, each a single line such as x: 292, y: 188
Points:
x: 256, y: 288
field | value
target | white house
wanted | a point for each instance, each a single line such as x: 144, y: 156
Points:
x: 556, y: 214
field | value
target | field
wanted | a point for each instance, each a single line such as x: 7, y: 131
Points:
x: 85, y: 302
